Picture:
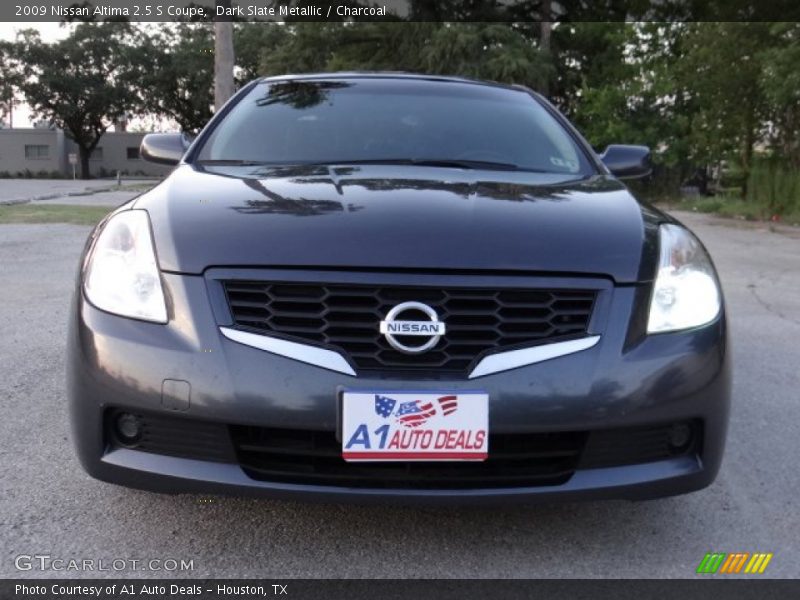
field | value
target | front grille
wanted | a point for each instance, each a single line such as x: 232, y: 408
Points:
x: 347, y: 318
x: 315, y: 458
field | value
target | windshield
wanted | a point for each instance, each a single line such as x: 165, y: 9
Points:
x: 394, y: 121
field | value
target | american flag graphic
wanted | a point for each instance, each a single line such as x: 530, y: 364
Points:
x: 384, y: 406
x: 448, y: 404
x: 412, y: 414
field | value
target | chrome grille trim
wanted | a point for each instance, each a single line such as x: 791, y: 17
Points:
x: 512, y: 359
x: 334, y: 361
x: 312, y: 355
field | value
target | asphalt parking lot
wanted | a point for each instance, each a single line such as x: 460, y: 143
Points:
x: 49, y: 506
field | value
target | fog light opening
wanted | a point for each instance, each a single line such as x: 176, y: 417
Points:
x: 680, y: 437
x: 128, y: 428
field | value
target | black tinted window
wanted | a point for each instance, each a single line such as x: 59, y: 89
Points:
x: 295, y: 122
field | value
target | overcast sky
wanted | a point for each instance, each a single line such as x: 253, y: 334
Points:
x: 48, y: 31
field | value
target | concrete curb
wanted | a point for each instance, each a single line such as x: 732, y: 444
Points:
x: 90, y: 192
x: 15, y: 201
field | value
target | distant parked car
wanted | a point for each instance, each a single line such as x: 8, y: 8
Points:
x: 368, y: 286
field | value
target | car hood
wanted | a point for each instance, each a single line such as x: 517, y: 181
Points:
x: 399, y: 217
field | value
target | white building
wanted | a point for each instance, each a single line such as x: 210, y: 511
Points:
x: 41, y: 151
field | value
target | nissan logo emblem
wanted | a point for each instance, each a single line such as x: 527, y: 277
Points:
x: 391, y: 327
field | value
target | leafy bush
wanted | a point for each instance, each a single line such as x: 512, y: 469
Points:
x: 28, y: 174
x: 774, y: 188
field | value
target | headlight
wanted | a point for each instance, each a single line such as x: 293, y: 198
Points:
x: 685, y: 293
x: 122, y: 275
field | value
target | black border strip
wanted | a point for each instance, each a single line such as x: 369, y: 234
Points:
x: 403, y: 10
x: 755, y: 588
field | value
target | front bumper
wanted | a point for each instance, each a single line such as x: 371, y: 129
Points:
x: 617, y: 384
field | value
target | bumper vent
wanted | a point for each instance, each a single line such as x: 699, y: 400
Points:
x: 181, y: 437
x: 347, y: 318
x: 315, y: 458
x: 630, y: 446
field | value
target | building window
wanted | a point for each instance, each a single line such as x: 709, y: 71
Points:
x: 133, y: 153
x: 36, y: 151
x: 97, y: 153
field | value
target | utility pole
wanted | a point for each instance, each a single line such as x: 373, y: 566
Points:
x: 223, y: 56
x: 545, y: 29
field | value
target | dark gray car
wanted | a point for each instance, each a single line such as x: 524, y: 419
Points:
x: 359, y: 286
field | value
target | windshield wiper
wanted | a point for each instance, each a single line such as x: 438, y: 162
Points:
x: 457, y: 163
x: 228, y: 162
x: 429, y: 162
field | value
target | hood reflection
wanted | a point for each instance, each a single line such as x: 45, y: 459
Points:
x: 326, y: 185
x: 275, y: 203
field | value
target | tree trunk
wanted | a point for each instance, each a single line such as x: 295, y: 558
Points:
x: 223, y: 57
x: 84, y: 154
x: 702, y: 181
x: 747, y: 153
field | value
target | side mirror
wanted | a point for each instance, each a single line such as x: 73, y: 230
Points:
x: 164, y: 148
x: 627, y: 162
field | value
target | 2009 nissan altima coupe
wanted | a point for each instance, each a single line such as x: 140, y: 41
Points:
x: 404, y: 287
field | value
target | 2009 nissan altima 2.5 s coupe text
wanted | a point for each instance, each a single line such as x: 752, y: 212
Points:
x: 402, y: 287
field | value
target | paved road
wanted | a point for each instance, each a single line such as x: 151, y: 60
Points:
x: 48, y: 505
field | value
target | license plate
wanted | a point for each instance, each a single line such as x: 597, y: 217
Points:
x: 415, y: 426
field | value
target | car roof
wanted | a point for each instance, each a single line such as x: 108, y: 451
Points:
x: 403, y: 75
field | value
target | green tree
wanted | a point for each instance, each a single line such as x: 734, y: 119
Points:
x: 780, y: 82
x: 492, y: 51
x: 83, y: 83
x: 628, y: 91
x: 309, y: 48
x: 698, y: 93
x: 381, y: 46
x: 721, y: 69
x: 9, y: 79
x: 180, y: 80
x: 594, y: 83
x: 255, y: 43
